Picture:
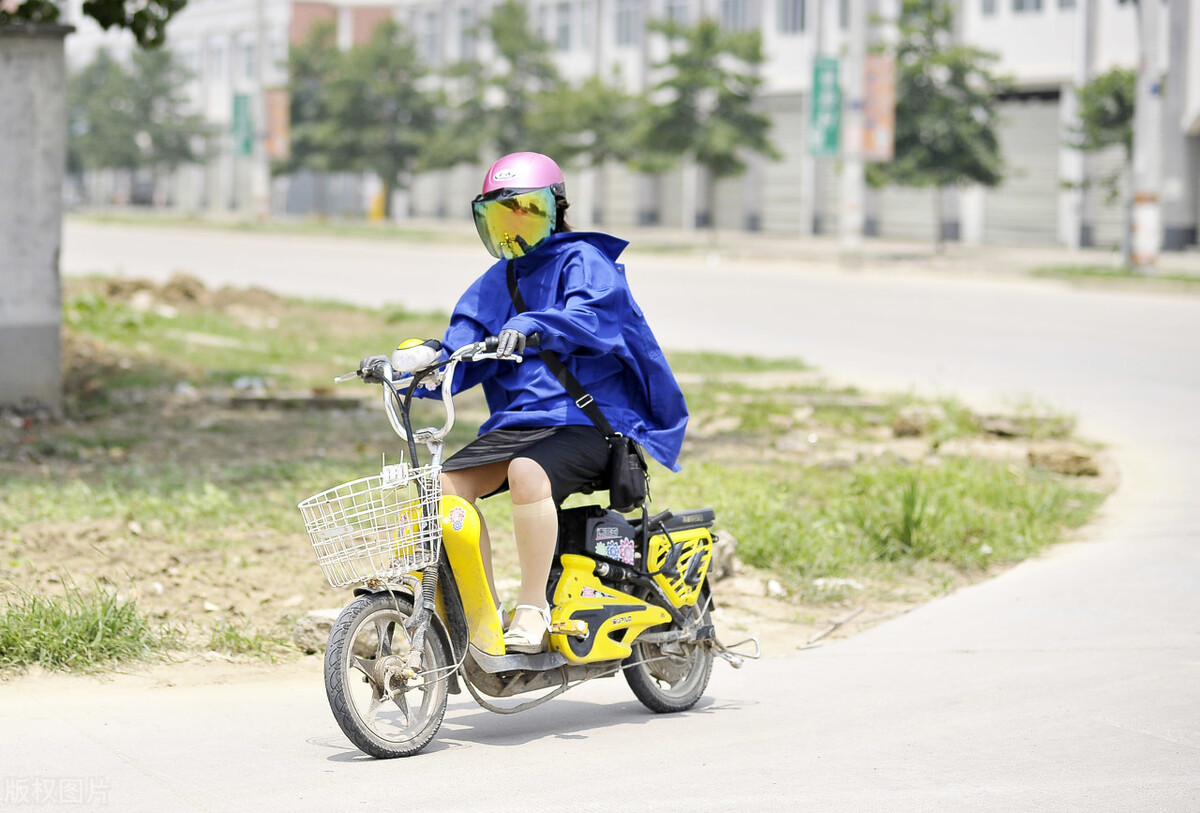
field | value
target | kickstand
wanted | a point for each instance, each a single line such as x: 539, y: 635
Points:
x: 734, y: 657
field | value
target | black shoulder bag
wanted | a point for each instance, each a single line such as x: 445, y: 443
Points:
x: 628, y: 479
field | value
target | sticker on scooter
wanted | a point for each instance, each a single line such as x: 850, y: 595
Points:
x: 457, y: 517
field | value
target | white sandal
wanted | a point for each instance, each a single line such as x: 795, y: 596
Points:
x: 520, y: 642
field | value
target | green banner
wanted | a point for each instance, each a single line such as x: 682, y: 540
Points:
x: 825, y: 115
x: 243, y: 125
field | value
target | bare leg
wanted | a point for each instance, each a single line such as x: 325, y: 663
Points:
x: 535, y: 525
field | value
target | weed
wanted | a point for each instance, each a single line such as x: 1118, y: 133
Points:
x: 234, y: 638
x: 77, y: 631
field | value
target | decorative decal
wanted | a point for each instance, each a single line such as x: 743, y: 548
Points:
x: 625, y: 551
x: 457, y: 517
x: 504, y: 175
x: 608, y: 533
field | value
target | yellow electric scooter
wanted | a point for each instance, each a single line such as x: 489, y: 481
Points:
x: 628, y: 595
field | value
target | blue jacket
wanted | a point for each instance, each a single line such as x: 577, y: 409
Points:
x: 577, y: 298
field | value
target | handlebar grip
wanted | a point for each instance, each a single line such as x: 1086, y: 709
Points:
x: 490, y: 344
x: 533, y: 340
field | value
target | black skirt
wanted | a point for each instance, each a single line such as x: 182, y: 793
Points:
x: 575, y: 458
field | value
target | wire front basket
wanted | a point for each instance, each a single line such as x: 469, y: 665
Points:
x: 381, y: 526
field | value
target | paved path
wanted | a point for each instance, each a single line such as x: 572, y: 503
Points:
x: 1070, y: 683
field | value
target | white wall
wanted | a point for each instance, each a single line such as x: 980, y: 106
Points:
x: 33, y: 145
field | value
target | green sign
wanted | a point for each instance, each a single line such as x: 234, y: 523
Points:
x: 825, y: 115
x: 243, y: 125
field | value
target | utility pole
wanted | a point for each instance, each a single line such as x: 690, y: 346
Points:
x: 809, y: 163
x: 853, y: 172
x: 260, y: 172
x: 1076, y: 229
x: 1146, y: 237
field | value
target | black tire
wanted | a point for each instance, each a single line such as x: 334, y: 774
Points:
x: 368, y: 630
x: 669, y: 677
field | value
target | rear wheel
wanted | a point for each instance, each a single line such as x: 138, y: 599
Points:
x: 671, y: 676
x: 377, y: 708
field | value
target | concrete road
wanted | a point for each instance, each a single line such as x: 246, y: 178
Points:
x: 1070, y: 683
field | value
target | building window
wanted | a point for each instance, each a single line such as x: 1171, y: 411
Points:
x: 677, y: 12
x: 844, y: 14
x: 248, y: 67
x: 562, y: 32
x: 1066, y: 3
x: 734, y: 16
x: 585, y: 24
x: 432, y: 40
x: 629, y: 22
x: 216, y: 62
x: 1020, y: 6
x: 466, y: 34
x: 791, y: 16
x: 989, y: 8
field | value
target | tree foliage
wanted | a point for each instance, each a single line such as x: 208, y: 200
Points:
x: 132, y: 117
x: 591, y: 123
x: 145, y: 19
x: 498, y: 100
x: 360, y: 109
x: 703, y: 108
x: 946, y: 116
x: 1105, y: 110
x: 1106, y: 107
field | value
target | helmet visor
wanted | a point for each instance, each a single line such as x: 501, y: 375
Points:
x: 513, y: 222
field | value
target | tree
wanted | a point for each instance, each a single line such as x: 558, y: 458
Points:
x: 132, y: 117
x: 703, y: 109
x: 587, y: 125
x: 518, y: 81
x: 497, y: 103
x: 1106, y: 107
x: 946, y: 116
x: 361, y: 109
x: 146, y: 20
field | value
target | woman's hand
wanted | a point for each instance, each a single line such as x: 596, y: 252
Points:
x: 510, y: 342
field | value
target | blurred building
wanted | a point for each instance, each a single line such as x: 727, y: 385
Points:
x: 1046, y: 46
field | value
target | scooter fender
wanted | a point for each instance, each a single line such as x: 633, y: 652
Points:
x: 460, y: 538
x: 592, y: 622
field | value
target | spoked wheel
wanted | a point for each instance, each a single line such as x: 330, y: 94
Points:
x: 671, y: 676
x: 380, y: 710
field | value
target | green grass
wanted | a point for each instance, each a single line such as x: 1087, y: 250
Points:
x: 327, y: 226
x: 213, y: 489
x: 234, y: 637
x: 718, y: 363
x: 808, y: 522
x: 208, y: 346
x: 1115, y: 273
x: 80, y: 631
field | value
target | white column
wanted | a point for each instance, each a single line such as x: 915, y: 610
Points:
x: 809, y: 190
x: 1146, y: 237
x: 853, y: 175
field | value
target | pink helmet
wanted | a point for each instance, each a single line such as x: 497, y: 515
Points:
x: 525, y: 170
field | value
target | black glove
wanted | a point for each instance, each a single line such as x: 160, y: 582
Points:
x: 510, y: 342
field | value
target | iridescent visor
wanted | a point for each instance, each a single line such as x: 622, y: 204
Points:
x: 513, y: 222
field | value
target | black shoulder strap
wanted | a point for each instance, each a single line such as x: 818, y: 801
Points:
x: 570, y: 383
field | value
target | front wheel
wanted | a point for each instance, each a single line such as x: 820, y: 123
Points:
x: 670, y: 676
x: 383, y: 711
